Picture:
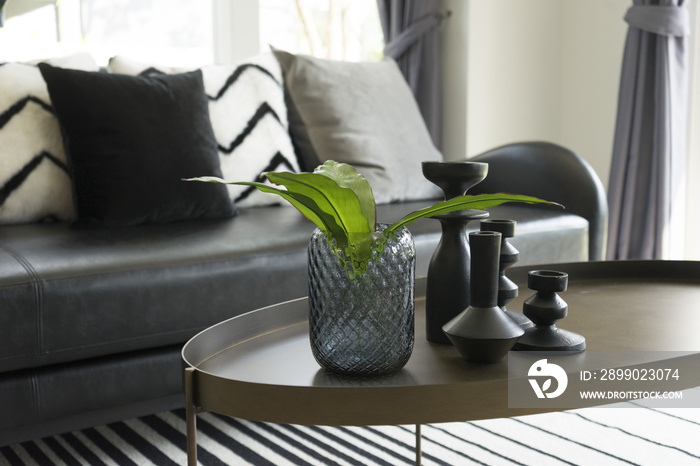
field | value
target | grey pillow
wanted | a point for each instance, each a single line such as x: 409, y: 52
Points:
x: 362, y: 114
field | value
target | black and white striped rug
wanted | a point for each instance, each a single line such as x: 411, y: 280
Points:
x: 600, y: 436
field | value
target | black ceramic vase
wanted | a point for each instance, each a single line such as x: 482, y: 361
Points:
x: 447, y: 291
x: 483, y: 332
x: 545, y: 308
x: 507, y: 289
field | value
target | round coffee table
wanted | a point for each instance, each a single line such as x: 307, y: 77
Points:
x: 259, y: 366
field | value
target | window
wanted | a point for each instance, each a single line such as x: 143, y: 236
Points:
x: 186, y: 32
x: 336, y: 29
x: 176, y: 32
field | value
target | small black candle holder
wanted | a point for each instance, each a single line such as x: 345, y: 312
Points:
x: 507, y: 289
x: 544, y: 309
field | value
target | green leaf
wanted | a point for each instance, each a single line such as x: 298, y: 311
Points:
x: 334, y: 209
x: 347, y: 177
x: 303, y: 204
x: 481, y: 201
x: 306, y: 206
x: 341, y: 203
x: 208, y: 179
x: 332, y: 191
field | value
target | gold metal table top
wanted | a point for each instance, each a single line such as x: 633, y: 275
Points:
x: 259, y: 366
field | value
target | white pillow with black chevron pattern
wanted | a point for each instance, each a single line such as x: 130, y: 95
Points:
x: 249, y: 118
x: 34, y: 181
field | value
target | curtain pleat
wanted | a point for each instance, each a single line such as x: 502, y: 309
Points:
x: 411, y: 36
x: 646, y: 177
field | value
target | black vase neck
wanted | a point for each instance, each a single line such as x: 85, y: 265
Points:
x: 485, y: 254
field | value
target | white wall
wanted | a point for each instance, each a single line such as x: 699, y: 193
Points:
x: 535, y: 70
x: 692, y: 245
x: 454, y: 40
x: 592, y: 47
x: 513, y: 83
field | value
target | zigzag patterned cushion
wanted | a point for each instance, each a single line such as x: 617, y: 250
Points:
x: 249, y: 118
x: 34, y: 181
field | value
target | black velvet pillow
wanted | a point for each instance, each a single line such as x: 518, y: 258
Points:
x: 130, y: 140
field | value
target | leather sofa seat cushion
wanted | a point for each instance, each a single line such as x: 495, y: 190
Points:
x: 72, y: 294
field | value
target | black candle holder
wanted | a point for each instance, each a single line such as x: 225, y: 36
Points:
x: 447, y: 288
x: 507, y: 289
x: 545, y: 308
x: 483, y: 332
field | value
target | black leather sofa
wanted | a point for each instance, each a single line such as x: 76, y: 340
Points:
x: 92, y: 321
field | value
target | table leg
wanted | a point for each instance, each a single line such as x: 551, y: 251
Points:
x: 419, y: 452
x: 190, y: 413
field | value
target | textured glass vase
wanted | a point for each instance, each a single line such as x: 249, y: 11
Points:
x: 362, y: 325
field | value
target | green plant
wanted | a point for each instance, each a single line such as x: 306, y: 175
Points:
x: 341, y: 204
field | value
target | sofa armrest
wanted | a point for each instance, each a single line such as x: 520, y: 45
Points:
x: 551, y: 172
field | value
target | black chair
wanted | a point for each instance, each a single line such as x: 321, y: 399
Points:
x: 551, y: 172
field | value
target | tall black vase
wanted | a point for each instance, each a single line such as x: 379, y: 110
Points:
x: 447, y: 291
x: 483, y: 332
x: 507, y: 289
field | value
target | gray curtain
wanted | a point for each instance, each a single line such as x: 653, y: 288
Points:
x: 411, y: 36
x: 649, y: 146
